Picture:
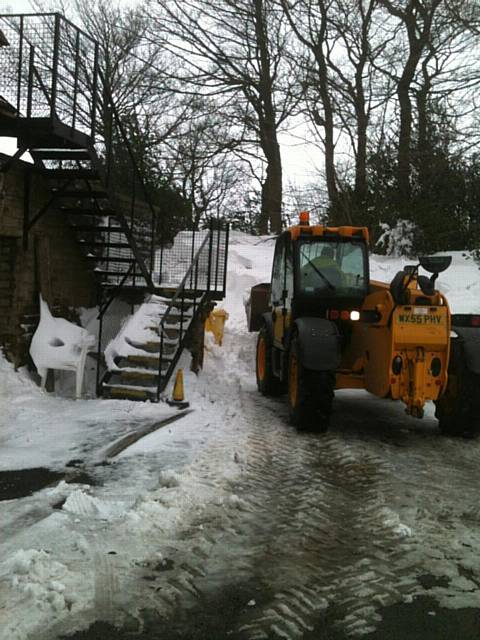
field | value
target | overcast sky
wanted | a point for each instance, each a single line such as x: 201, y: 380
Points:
x: 15, y: 6
x: 301, y: 162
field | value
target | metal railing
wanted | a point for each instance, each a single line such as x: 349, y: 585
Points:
x: 202, y: 282
x: 198, y: 274
x: 50, y: 69
x: 51, y: 77
x: 51, y: 80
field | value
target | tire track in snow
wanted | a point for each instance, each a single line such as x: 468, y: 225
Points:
x: 332, y: 546
x: 310, y: 523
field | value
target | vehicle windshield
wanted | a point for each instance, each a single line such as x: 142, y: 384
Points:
x: 332, y: 267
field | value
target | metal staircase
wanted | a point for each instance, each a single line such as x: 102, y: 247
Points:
x: 62, y: 113
x: 55, y: 101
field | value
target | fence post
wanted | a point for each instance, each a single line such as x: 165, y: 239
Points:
x: 152, y: 243
x: 31, y: 64
x: 193, y: 253
x: 56, y: 55
x: 75, y: 80
x: 95, y: 93
x: 99, y: 350
x: 20, y: 64
x: 160, y: 360
x: 225, y: 260
x: 210, y: 248
x: 217, y: 256
x: 27, y: 177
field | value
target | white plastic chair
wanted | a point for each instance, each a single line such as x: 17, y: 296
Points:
x: 59, y: 344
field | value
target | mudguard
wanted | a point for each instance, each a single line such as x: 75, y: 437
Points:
x: 319, y: 342
x: 267, y: 320
x: 470, y: 340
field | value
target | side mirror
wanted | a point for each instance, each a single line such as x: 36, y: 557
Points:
x: 435, y: 264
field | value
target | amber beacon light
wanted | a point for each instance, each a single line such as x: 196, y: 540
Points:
x: 304, y: 218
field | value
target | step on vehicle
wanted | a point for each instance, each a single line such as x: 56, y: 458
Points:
x: 324, y: 325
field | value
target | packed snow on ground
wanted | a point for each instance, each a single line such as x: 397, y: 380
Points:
x: 58, y: 559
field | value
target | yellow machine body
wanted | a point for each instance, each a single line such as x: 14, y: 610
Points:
x: 397, y: 351
x: 393, y: 356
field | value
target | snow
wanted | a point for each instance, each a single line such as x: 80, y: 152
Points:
x: 59, y: 344
x: 162, y: 494
x: 137, y: 329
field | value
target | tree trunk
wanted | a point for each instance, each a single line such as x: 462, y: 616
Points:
x: 271, y: 209
x: 424, y: 146
x: 324, y: 91
x: 404, y: 142
x: 361, y: 160
x: 418, y: 24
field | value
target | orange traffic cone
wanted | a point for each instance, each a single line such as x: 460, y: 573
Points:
x: 178, y: 395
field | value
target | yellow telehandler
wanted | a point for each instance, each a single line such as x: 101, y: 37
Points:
x: 324, y: 325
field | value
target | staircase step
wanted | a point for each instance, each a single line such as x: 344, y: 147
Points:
x: 61, y: 154
x: 111, y: 259
x: 129, y: 392
x: 110, y: 274
x: 80, y: 174
x: 83, y: 193
x: 178, y: 304
x: 173, y: 330
x: 119, y: 274
x: 96, y: 229
x: 153, y: 346
x: 78, y: 211
x: 149, y: 362
x: 143, y: 377
x: 106, y: 245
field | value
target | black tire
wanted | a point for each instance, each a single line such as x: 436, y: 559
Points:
x: 267, y: 383
x: 310, y: 394
x: 458, y: 410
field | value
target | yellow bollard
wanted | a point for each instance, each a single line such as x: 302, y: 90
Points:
x: 215, y: 323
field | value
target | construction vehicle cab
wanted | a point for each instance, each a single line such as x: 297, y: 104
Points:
x: 324, y: 325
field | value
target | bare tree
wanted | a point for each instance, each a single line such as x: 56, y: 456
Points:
x: 235, y: 50
x: 342, y: 45
x: 133, y: 68
x: 309, y: 22
x: 416, y: 18
x: 199, y: 158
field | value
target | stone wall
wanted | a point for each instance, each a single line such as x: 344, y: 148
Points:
x: 52, y: 264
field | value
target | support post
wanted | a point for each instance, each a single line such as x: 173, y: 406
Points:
x: 20, y: 65
x: 75, y: 80
x: 56, y: 55
x: 27, y: 178
x: 225, y: 259
x: 95, y: 94
x: 31, y: 64
x: 210, y: 246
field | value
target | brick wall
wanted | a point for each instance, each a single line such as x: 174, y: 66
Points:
x: 52, y: 265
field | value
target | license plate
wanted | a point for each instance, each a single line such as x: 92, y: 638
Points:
x: 423, y: 318
x: 420, y: 311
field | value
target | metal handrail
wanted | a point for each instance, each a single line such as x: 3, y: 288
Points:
x: 181, y: 286
x: 180, y: 292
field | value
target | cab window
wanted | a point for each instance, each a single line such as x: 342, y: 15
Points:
x: 278, y: 272
x: 333, y: 267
